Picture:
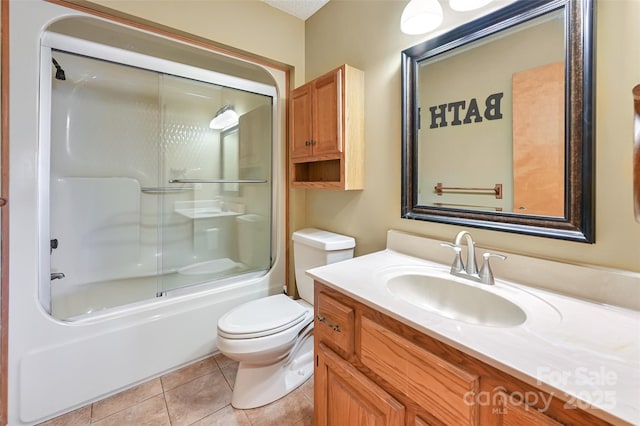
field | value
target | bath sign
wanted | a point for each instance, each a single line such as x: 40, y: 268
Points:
x: 458, y: 113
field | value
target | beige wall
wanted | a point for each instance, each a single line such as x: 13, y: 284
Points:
x: 248, y: 25
x: 366, y: 35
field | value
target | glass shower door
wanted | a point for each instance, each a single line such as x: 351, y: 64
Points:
x: 215, y: 210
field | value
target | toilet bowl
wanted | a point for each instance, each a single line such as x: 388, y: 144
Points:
x: 272, y: 337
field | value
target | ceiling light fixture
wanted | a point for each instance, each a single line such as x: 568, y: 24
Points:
x: 466, y: 5
x: 225, y: 117
x: 421, y: 16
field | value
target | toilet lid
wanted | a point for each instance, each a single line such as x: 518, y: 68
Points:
x: 261, y: 317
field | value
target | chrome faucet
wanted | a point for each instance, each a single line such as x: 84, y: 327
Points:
x: 470, y: 270
x: 472, y: 266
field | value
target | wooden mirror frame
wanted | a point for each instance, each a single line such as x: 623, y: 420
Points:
x: 578, y: 223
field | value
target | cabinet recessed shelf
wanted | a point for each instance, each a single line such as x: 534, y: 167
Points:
x: 317, y: 173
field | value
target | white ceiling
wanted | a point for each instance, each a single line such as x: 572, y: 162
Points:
x: 301, y: 9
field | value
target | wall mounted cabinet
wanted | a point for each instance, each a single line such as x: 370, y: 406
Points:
x: 327, y: 131
x: 372, y: 369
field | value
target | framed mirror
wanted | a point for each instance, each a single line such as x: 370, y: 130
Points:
x: 498, y: 122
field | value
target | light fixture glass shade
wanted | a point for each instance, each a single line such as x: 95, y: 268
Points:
x: 421, y: 16
x: 465, y: 5
x: 225, y: 117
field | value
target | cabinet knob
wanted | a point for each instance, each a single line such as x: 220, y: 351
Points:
x: 307, y: 143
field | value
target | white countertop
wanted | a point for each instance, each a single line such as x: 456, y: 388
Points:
x: 585, y: 353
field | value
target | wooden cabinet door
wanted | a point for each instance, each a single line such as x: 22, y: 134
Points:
x: 327, y: 114
x: 301, y: 122
x: 345, y: 397
x: 441, y: 388
x: 517, y: 413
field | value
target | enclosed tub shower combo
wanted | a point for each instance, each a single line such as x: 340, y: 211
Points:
x: 146, y: 193
x: 152, y: 159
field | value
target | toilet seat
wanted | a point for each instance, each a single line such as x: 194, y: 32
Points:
x: 261, y: 317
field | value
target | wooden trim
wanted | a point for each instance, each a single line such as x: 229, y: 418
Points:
x: 163, y: 30
x: 287, y: 222
x: 4, y: 224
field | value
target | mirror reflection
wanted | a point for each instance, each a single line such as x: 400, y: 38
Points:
x: 491, y: 131
x: 498, y: 122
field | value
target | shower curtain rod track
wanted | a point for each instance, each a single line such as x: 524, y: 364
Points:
x: 218, y: 181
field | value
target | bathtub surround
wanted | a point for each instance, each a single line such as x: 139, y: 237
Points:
x: 56, y: 366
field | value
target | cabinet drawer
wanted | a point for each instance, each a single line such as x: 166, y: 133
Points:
x: 440, y: 388
x: 517, y: 413
x: 334, y: 323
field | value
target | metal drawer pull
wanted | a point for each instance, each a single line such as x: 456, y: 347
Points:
x: 334, y: 327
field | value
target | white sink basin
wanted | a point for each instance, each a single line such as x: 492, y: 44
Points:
x: 456, y: 300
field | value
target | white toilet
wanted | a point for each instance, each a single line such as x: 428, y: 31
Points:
x: 272, y: 337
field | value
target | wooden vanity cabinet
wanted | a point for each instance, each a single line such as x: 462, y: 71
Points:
x: 327, y: 131
x: 374, y: 370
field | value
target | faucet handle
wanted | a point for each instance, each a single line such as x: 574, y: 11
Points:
x: 486, y: 275
x: 457, y: 265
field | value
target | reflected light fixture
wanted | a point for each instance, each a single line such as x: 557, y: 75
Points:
x: 465, y: 5
x: 421, y: 16
x: 225, y: 117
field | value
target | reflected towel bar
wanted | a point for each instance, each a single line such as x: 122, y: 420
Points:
x: 497, y: 190
x: 468, y: 206
x: 218, y: 181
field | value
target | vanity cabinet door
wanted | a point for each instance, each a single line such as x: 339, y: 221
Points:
x: 517, y: 413
x: 346, y: 397
x: 442, y: 389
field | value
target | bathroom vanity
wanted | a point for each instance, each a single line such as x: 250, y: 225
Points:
x: 386, y: 359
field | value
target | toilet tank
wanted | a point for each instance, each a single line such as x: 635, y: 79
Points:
x: 314, y: 247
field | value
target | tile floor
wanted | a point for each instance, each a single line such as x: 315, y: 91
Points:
x: 198, y: 394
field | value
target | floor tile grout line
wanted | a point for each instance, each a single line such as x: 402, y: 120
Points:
x: 125, y: 408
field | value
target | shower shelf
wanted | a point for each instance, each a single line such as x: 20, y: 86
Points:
x: 203, y: 209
